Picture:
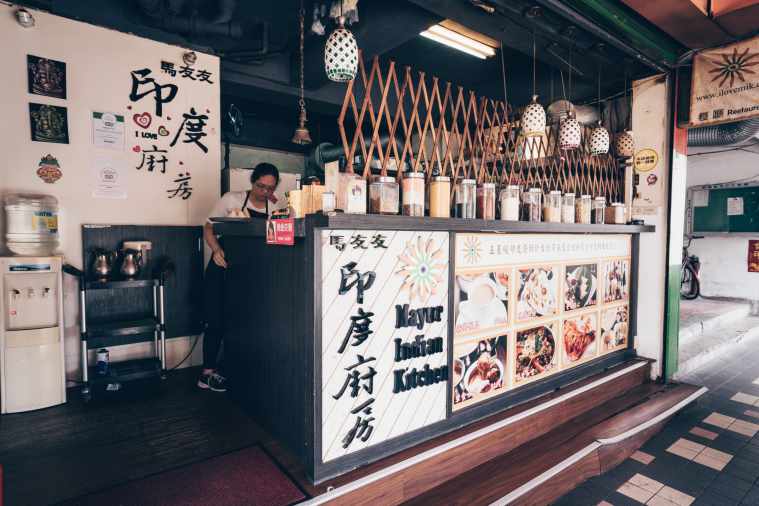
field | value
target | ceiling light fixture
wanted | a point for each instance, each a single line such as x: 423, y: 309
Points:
x: 455, y: 40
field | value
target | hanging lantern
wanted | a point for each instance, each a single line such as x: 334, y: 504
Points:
x: 599, y: 140
x: 570, y: 132
x: 341, y: 55
x: 534, y: 119
x: 624, y: 144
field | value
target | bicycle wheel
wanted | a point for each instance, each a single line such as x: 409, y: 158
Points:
x: 689, y: 285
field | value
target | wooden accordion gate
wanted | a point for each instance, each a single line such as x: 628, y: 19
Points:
x: 405, y: 120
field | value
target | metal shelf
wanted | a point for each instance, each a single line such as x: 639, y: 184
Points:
x: 111, y: 284
x: 122, y: 327
x: 128, y: 370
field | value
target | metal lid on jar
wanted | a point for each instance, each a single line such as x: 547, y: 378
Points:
x: 617, y: 204
x: 413, y: 175
x: 535, y: 190
x: 585, y: 196
x: 468, y: 181
x: 555, y: 192
x: 488, y: 185
x: 383, y: 179
x: 441, y: 179
x: 569, y: 194
x: 513, y: 187
x: 599, y: 199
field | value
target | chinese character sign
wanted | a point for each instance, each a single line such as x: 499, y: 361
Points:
x: 753, y: 255
x: 384, y: 335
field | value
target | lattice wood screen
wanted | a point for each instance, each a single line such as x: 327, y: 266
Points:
x: 400, y: 118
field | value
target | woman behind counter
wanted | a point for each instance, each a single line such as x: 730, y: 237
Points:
x: 258, y: 202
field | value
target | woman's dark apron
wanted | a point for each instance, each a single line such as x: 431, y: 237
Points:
x: 213, y: 296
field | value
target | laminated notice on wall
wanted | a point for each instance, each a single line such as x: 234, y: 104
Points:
x: 701, y: 198
x: 735, y: 206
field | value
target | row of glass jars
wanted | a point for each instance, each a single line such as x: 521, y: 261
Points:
x: 473, y: 201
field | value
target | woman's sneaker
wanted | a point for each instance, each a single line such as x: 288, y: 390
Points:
x: 214, y: 382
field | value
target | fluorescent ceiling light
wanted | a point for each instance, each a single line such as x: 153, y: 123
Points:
x: 453, y: 39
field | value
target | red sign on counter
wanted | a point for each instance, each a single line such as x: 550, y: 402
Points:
x: 281, y: 232
x: 753, y: 255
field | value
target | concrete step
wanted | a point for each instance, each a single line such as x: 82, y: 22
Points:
x: 716, y: 343
x: 707, y: 315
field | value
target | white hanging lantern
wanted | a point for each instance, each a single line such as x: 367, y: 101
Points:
x: 341, y: 55
x: 599, y: 140
x: 624, y: 144
x: 570, y: 133
x: 534, y: 119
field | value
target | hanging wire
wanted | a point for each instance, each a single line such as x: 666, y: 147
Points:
x: 503, y: 78
x: 598, y: 72
x: 534, y: 64
x: 302, y: 101
x: 571, y: 51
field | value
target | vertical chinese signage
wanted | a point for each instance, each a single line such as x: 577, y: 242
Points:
x: 384, y: 336
x: 725, y: 84
x: 753, y: 255
x: 528, y: 306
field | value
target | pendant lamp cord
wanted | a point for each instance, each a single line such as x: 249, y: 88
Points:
x: 534, y: 63
x: 598, y: 105
x: 302, y: 100
x: 505, y: 95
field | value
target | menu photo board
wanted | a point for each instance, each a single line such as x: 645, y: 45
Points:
x: 527, y: 306
x: 384, y: 336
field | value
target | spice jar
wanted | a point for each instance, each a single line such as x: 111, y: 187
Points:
x: 510, y: 202
x: 552, y: 207
x: 599, y: 210
x: 440, y: 197
x: 328, y: 202
x: 355, y: 196
x: 486, y: 201
x: 532, y: 205
x: 568, y: 208
x: 466, y: 191
x: 583, y: 207
x: 412, y: 187
x: 383, y: 195
x: 615, y: 213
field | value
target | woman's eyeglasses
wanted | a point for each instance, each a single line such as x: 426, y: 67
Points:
x: 265, y: 187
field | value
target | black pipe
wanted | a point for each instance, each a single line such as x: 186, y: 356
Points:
x: 559, y: 7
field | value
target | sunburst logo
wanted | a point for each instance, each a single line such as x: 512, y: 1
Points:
x: 732, y: 66
x: 422, y: 265
x: 472, y: 249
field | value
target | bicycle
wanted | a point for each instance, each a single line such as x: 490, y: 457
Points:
x: 690, y: 286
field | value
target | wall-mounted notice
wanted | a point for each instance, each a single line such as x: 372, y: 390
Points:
x: 528, y: 306
x: 735, y: 206
x: 701, y: 198
x: 108, y: 130
x: 108, y: 178
x: 384, y: 336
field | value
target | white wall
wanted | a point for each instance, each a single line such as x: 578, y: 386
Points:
x: 650, y: 125
x: 98, y: 63
x: 723, y: 256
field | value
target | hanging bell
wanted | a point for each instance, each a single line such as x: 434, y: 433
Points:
x: 624, y: 144
x: 341, y: 55
x: 534, y: 119
x: 599, y: 140
x: 570, y: 132
x: 301, y: 136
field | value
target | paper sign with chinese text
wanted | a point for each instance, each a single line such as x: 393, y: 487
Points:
x: 753, y: 255
x: 281, y: 232
x: 384, y: 336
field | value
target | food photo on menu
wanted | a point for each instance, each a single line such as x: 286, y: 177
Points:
x: 616, y: 280
x: 535, y: 352
x: 483, y: 301
x: 537, y: 295
x: 580, y: 286
x: 479, y: 369
x: 614, y: 328
x: 579, y: 336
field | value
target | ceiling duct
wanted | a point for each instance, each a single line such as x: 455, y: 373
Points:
x: 183, y: 16
x: 723, y: 135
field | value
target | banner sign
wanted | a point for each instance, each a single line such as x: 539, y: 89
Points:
x: 725, y: 85
x: 527, y: 306
x: 384, y: 313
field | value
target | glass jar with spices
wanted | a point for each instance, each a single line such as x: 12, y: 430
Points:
x: 584, y: 205
x: 440, y: 197
x: 599, y: 210
x: 383, y: 195
x: 412, y: 188
x: 466, y: 191
x: 486, y: 201
x: 568, y: 208
x: 533, y: 205
x: 510, y: 202
x: 552, y: 207
x: 615, y: 213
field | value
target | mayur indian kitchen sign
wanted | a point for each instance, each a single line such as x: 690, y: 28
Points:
x: 725, y: 84
x: 384, y: 308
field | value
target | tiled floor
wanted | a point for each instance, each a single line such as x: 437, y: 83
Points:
x: 707, y: 455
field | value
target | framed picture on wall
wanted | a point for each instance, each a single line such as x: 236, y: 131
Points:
x: 49, y: 123
x: 46, y: 77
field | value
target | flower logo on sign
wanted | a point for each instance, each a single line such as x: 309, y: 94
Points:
x: 422, y: 266
x: 472, y: 249
x: 733, y: 65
